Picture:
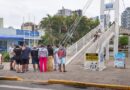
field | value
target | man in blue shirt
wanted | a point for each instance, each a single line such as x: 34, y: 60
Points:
x: 25, y: 57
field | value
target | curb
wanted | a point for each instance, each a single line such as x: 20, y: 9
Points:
x: 13, y: 78
x: 83, y: 84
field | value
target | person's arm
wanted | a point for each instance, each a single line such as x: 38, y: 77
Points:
x: 38, y: 53
x: 47, y: 53
x: 1, y: 59
x: 65, y: 52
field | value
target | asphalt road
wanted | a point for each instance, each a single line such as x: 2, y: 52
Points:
x: 13, y: 85
x: 16, y: 85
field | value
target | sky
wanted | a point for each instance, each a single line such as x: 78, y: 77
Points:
x: 15, y: 12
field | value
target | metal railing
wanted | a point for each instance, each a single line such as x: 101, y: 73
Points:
x: 76, y: 47
x: 98, y: 43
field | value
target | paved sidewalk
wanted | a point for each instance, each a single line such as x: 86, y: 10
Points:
x: 76, y: 72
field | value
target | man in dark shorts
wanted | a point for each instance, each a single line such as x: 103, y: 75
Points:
x: 35, y: 60
x: 17, y: 51
x: 25, y: 57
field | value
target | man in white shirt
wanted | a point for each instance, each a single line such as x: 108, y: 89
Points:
x: 11, y: 55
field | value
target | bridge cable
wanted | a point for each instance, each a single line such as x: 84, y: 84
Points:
x: 75, y: 24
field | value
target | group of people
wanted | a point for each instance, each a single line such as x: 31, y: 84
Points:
x: 44, y: 58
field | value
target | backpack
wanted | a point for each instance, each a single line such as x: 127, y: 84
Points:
x: 61, y: 53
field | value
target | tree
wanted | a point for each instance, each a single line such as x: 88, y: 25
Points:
x: 57, y: 26
x: 123, y: 41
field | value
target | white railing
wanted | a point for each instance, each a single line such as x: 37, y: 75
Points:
x: 98, y: 43
x: 97, y: 47
x: 76, y: 47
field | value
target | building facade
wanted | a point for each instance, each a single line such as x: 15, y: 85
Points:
x: 29, y: 26
x: 10, y: 36
x: 64, y: 12
x: 68, y: 12
x: 125, y: 18
x: 78, y: 12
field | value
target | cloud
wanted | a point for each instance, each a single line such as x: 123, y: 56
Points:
x: 13, y: 11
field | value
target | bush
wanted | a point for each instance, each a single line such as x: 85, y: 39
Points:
x: 123, y: 41
x: 5, y: 56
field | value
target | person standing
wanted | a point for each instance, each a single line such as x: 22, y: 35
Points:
x: 25, y: 57
x: 43, y: 54
x: 56, y: 58
x: 50, y: 58
x: 17, y: 57
x: 35, y: 61
x: 11, y: 55
x: 62, y: 56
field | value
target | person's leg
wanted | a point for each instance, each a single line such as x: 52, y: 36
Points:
x: 27, y: 64
x: 60, y: 68
x: 64, y: 70
x: 22, y: 65
x: 41, y: 64
x: 33, y: 63
x: 45, y: 64
x: 18, y: 68
x: 14, y: 64
x: 54, y: 63
x: 63, y: 62
x: 60, y: 65
x: 0, y: 61
x: 38, y: 65
x: 11, y: 65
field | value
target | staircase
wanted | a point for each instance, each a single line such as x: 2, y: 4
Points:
x: 86, y: 44
x: 74, y: 50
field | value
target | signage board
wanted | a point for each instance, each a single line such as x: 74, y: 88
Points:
x: 91, y: 56
x: 27, y: 33
x: 119, y: 60
x: 109, y: 6
x: 91, y: 61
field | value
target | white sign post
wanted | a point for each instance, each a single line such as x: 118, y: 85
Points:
x: 91, y: 61
x: 94, y: 61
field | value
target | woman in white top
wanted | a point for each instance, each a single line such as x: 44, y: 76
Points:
x: 56, y: 58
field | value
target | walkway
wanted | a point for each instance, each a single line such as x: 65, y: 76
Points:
x: 76, y: 72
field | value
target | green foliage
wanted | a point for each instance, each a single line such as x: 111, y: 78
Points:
x: 123, y: 40
x: 57, y: 26
x: 5, y: 56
